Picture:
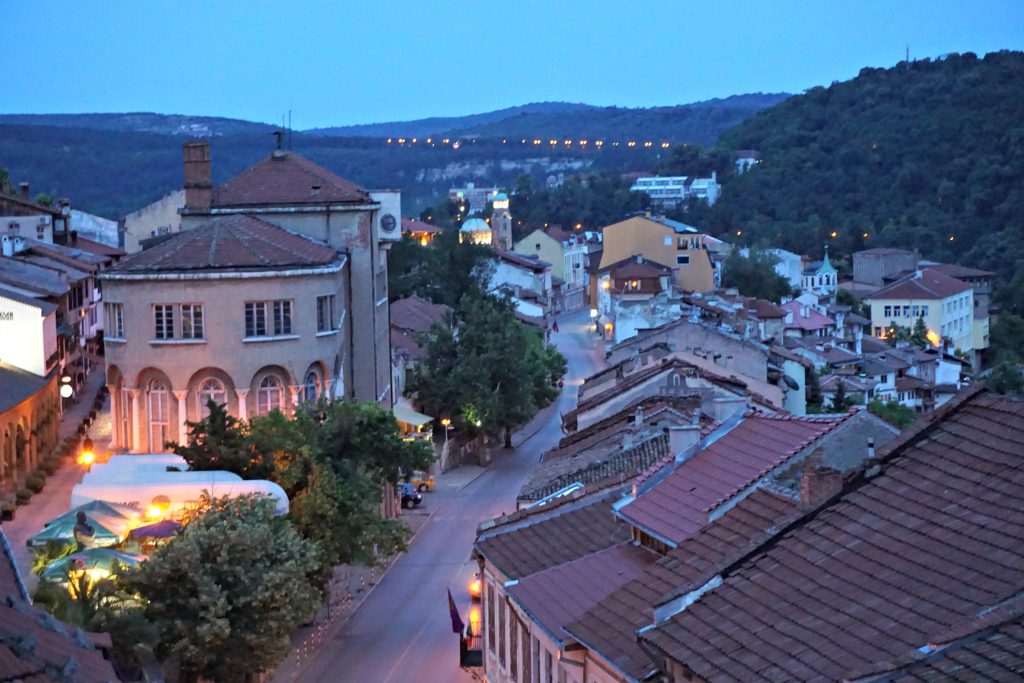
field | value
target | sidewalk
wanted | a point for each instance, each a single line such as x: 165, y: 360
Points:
x: 55, y: 498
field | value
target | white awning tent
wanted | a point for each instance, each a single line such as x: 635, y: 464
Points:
x: 405, y: 414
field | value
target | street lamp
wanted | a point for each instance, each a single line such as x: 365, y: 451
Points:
x: 446, y: 423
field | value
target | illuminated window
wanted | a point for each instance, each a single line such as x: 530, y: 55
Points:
x: 270, y: 395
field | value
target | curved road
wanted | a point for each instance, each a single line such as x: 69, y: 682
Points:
x: 402, y: 632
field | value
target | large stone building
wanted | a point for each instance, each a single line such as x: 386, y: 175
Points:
x: 273, y: 293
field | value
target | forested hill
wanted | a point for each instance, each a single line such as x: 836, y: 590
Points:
x: 697, y: 122
x: 928, y: 154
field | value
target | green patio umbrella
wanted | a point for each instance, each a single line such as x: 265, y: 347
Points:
x: 110, y: 530
x: 100, y: 507
x: 100, y: 559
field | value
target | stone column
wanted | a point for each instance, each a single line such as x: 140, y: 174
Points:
x: 181, y: 395
x: 136, y: 437
x: 243, y: 410
x: 115, y: 414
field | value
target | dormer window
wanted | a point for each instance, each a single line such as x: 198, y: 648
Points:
x: 314, y: 191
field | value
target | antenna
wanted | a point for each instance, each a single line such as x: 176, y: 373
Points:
x: 908, y: 54
x: 289, y: 129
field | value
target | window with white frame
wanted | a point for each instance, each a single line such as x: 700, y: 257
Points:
x: 163, y: 321
x: 114, y: 322
x: 211, y: 389
x: 326, y: 320
x: 192, y: 321
x: 268, y: 318
x: 490, y: 617
x: 159, y: 415
x: 269, y: 394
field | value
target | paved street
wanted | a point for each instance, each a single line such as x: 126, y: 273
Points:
x: 402, y: 632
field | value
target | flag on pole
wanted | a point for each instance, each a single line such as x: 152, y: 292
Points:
x: 457, y: 625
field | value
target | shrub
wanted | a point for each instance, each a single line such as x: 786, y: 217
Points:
x: 7, y: 510
x: 92, y: 415
x: 36, y: 481
x: 23, y: 496
x: 50, y: 466
x: 81, y: 429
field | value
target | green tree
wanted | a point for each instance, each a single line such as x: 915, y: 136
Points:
x: 754, y: 275
x: 813, y: 384
x: 489, y: 364
x: 1006, y: 378
x: 893, y: 412
x: 226, y: 594
x: 840, y: 402
x: 220, y: 442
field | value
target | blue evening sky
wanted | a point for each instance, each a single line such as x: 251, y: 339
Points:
x: 336, y: 63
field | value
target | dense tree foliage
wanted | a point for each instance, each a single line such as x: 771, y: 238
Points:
x: 485, y: 369
x: 926, y: 155
x: 754, y: 275
x: 893, y: 412
x: 226, y: 594
x: 332, y: 460
x: 590, y: 201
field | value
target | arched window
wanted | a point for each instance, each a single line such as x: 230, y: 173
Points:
x: 159, y: 416
x: 270, y: 394
x: 210, y: 390
x: 311, y: 387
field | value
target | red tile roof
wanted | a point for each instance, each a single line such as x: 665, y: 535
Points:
x: 233, y: 242
x: 411, y: 225
x: 957, y: 271
x: 610, y: 626
x: 34, y: 646
x: 676, y: 506
x: 416, y: 314
x: 558, y: 595
x: 527, y: 262
x: 814, y: 320
x: 929, y: 539
x: 927, y: 284
x: 551, y: 538
x: 634, y: 270
x: 285, y: 178
x: 98, y: 247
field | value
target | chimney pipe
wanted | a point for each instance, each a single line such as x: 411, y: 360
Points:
x: 818, y: 483
x: 23, y: 187
x: 871, y: 447
x: 638, y: 416
x: 198, y: 176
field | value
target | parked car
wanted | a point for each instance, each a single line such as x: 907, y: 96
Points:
x: 410, y: 498
x: 422, y: 481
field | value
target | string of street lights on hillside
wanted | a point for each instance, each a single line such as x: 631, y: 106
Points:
x: 455, y: 143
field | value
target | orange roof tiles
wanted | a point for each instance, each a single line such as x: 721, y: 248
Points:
x: 287, y: 178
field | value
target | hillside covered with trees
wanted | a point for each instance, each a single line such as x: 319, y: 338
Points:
x: 927, y: 155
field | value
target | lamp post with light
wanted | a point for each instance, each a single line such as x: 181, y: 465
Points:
x: 447, y: 424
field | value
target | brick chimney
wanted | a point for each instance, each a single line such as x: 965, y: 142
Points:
x: 23, y: 187
x: 682, y: 437
x: 818, y: 483
x: 198, y: 176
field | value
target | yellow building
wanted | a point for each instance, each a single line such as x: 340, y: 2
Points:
x: 676, y: 245
x: 945, y: 303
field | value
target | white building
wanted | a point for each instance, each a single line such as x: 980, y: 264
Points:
x: 527, y: 281
x: 787, y: 265
x: 674, y: 190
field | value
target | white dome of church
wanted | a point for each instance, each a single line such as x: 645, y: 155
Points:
x: 475, y: 231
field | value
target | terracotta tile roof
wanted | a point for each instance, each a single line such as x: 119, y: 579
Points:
x: 930, y: 539
x: 814, y: 320
x: 404, y: 344
x: 285, y: 178
x: 676, y: 506
x: 553, y: 537
x: 610, y: 626
x: 415, y: 314
x: 633, y: 270
x: 927, y: 284
x: 534, y: 264
x: 558, y: 595
x: 764, y: 309
x: 99, y: 248
x: 233, y: 242
x: 957, y: 271
x: 23, y: 275
x: 34, y: 646
x: 988, y: 648
x: 614, y: 465
x: 411, y: 225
